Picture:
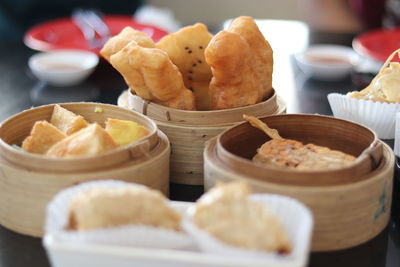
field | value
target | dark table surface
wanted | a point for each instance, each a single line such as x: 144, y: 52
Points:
x: 19, y: 90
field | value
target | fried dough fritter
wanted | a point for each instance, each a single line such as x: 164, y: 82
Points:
x: 248, y: 29
x: 150, y: 73
x: 119, y: 41
x: 236, y: 82
x: 186, y: 50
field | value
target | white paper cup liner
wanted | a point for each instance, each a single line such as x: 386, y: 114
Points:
x: 378, y: 116
x: 132, y: 235
x: 296, y: 219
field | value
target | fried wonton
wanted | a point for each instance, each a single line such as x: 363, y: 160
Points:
x: 227, y: 213
x: 67, y: 121
x: 247, y: 28
x: 186, y: 50
x: 150, y: 73
x: 108, y: 207
x: 89, y: 141
x: 236, y: 81
x: 127, y: 35
x: 43, y: 135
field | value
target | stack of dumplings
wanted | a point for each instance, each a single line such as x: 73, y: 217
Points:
x: 193, y: 70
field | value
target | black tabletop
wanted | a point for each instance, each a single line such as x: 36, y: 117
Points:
x: 19, y: 90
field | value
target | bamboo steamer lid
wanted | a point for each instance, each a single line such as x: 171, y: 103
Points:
x: 346, y: 212
x: 189, y: 130
x: 25, y: 191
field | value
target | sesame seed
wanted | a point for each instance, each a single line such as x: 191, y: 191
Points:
x: 186, y: 48
x: 190, y: 51
x: 199, y: 61
x: 201, y: 47
x: 194, y: 65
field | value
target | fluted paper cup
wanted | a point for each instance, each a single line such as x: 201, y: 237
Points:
x: 296, y: 219
x: 130, y: 235
x: 378, y: 116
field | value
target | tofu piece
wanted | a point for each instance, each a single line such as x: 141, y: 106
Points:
x: 89, y: 141
x: 43, y: 135
x: 125, y: 132
x: 67, y: 121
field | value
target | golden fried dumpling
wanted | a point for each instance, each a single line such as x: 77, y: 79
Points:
x: 89, y: 141
x: 43, y: 135
x: 67, y: 121
x: 247, y: 28
x: 150, y: 74
x: 125, y: 132
x: 186, y: 50
x: 385, y: 87
x: 127, y: 35
x: 229, y: 215
x: 110, y: 207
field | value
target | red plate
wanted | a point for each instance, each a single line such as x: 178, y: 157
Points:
x: 64, y: 34
x: 378, y: 44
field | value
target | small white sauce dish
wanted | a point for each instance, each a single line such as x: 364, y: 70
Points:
x: 327, y: 62
x: 63, y: 67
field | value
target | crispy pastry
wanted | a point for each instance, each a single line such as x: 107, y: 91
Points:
x: 151, y: 75
x: 186, y: 50
x: 385, y: 86
x: 119, y: 41
x: 110, y: 207
x: 67, y: 121
x: 236, y: 82
x: 43, y: 135
x: 125, y: 132
x: 247, y: 28
x: 287, y: 153
x: 228, y: 214
x: 90, y: 141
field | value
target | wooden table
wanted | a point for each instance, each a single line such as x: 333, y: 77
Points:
x: 302, y: 94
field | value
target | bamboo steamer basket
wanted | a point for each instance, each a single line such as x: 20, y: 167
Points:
x: 346, y: 214
x: 29, y: 181
x: 189, y: 130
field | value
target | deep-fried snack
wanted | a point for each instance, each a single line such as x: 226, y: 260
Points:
x: 108, y: 207
x: 287, y: 153
x: 150, y: 73
x: 67, y: 121
x: 247, y: 28
x: 127, y: 35
x: 228, y: 214
x: 186, y: 50
x: 236, y: 82
x: 43, y: 135
x: 125, y: 132
x: 384, y: 87
x: 89, y: 141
